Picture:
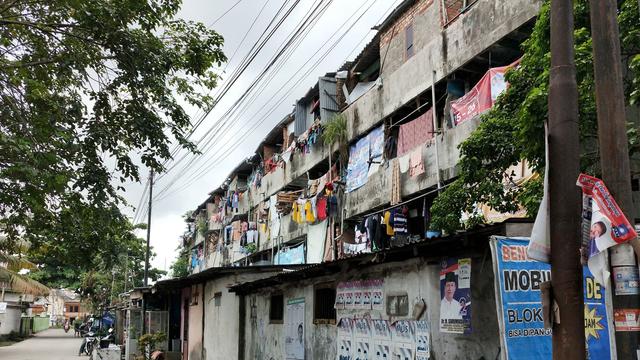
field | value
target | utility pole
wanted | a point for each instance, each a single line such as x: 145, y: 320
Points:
x: 146, y: 256
x: 564, y: 195
x: 614, y: 150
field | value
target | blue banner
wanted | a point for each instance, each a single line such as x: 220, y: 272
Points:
x: 519, y: 280
x: 358, y: 167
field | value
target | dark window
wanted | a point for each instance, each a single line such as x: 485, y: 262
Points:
x: 217, y: 299
x: 408, y: 31
x: 276, y: 309
x: 323, y: 306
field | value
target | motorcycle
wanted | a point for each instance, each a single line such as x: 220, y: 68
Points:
x: 88, y: 344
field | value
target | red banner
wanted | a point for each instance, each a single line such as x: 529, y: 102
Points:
x: 482, y: 97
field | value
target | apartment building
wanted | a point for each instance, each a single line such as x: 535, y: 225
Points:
x: 296, y: 254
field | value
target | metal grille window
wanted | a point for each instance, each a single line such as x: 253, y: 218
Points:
x: 408, y: 32
x: 324, y: 311
x: 276, y: 309
x: 217, y: 299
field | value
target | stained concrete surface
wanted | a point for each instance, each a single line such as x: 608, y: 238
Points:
x: 52, y: 344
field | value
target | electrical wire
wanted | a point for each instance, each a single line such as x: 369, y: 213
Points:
x: 213, y: 163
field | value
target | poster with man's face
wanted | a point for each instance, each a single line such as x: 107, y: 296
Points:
x: 455, y: 293
x: 294, y: 336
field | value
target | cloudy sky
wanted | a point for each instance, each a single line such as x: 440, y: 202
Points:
x: 231, y: 139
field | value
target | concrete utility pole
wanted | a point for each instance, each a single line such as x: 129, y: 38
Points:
x: 146, y: 256
x: 614, y: 150
x: 564, y: 195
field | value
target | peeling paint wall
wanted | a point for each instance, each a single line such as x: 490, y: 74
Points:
x: 419, y: 278
x: 437, y: 49
x: 221, y: 328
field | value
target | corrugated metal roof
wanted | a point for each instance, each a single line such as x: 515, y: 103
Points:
x: 409, y: 250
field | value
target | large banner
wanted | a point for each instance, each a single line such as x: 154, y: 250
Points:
x: 364, y: 157
x: 358, y: 167
x: 522, y: 329
x: 482, y: 96
x: 294, y: 341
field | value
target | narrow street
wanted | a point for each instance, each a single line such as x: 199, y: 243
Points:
x: 52, y: 344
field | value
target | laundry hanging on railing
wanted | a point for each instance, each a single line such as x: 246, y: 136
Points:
x: 415, y: 133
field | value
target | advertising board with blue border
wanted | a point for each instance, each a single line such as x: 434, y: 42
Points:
x: 522, y: 329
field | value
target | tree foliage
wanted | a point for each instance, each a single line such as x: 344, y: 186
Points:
x: 88, y: 91
x: 513, y: 130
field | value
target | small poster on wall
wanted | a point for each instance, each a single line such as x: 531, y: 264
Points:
x: 423, y: 340
x: 403, y: 339
x: 377, y: 294
x: 381, y: 339
x: 340, y: 290
x: 455, y: 292
x: 294, y: 336
x: 345, y: 349
x: 357, y: 294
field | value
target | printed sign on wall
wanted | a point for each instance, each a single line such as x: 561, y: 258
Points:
x: 520, y: 310
x: 294, y: 341
x: 455, y: 292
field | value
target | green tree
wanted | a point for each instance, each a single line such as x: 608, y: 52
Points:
x: 513, y: 130
x: 88, y: 91
x: 180, y: 266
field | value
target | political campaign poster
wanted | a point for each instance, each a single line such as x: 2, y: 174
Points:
x: 518, y: 280
x: 609, y: 226
x: 294, y: 341
x: 357, y: 294
x: 345, y: 339
x: 403, y: 335
x: 366, y: 294
x: 377, y: 294
x: 381, y: 339
x: 348, y: 295
x: 455, y: 292
x: 423, y: 340
x: 340, y: 292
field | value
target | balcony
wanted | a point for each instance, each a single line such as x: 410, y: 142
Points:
x: 361, y: 200
x: 474, y: 33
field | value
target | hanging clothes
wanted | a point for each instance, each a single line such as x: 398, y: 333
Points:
x: 321, y: 207
x: 416, y: 165
x: 308, y: 210
x: 387, y: 221
x: 396, y: 196
x: 415, y: 133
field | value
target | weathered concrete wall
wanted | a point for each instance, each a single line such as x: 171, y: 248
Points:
x: 439, y: 50
x: 195, y: 324
x: 10, y: 321
x: 419, y: 278
x: 266, y: 341
x: 424, y: 17
x: 298, y: 166
x: 221, y: 330
x: 377, y: 190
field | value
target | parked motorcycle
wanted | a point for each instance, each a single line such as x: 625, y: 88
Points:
x: 88, y: 344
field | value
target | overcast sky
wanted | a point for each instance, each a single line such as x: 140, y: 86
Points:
x: 185, y: 187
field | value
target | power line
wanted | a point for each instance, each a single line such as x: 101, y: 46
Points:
x: 214, y: 163
x: 225, y: 13
x: 313, y: 16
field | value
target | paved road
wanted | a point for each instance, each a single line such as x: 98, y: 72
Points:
x: 52, y: 344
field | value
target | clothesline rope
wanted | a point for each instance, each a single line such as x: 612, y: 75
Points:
x: 404, y: 202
